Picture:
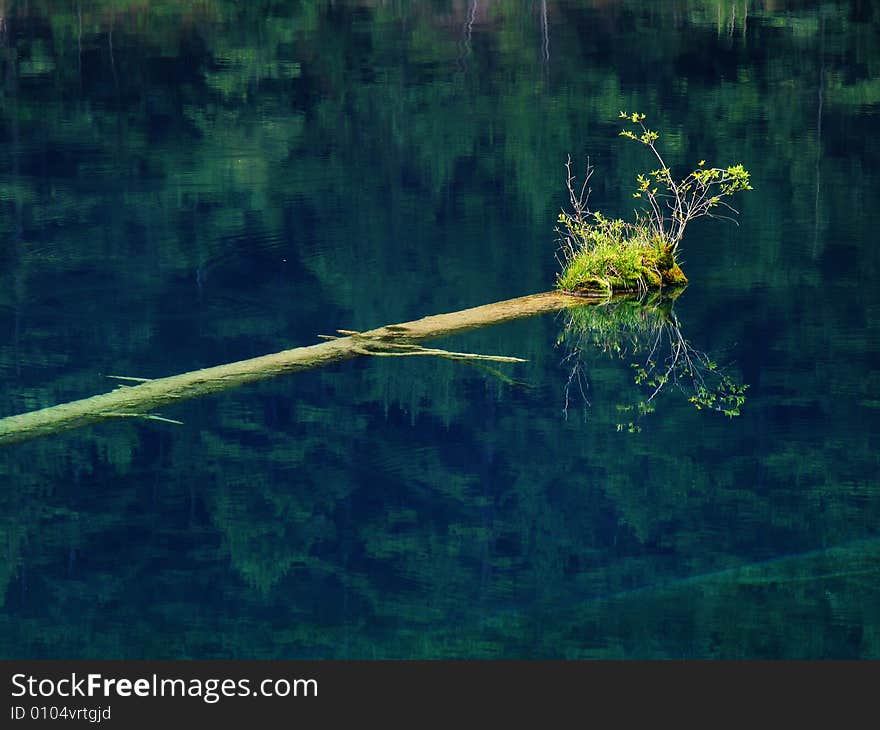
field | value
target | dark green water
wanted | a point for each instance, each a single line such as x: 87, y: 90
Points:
x: 186, y: 184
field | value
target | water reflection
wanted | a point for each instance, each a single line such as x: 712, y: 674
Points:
x: 645, y: 332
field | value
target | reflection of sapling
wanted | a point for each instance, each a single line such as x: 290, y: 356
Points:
x: 648, y: 333
x: 599, y: 254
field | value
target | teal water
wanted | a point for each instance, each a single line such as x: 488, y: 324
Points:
x: 187, y: 184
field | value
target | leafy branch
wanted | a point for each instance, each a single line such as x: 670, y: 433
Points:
x: 672, y: 204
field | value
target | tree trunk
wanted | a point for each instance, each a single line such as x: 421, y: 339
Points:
x: 398, y: 339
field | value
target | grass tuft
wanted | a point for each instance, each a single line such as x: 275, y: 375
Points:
x: 604, y: 256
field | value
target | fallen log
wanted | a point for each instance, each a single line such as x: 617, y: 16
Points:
x: 137, y: 401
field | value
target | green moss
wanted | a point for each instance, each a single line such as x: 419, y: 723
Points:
x: 674, y: 276
x: 653, y: 280
x: 634, y: 263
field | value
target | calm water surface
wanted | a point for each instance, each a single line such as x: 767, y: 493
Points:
x: 187, y: 184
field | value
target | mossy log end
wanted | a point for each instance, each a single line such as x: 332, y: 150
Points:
x: 141, y: 399
x: 657, y: 270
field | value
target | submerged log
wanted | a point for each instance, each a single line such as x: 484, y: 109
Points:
x: 137, y: 401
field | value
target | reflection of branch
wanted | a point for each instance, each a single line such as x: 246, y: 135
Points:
x: 576, y: 375
x: 633, y: 327
x: 113, y: 62
x: 466, y: 36
x: 79, y: 49
x: 545, y: 34
x: 821, y: 84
